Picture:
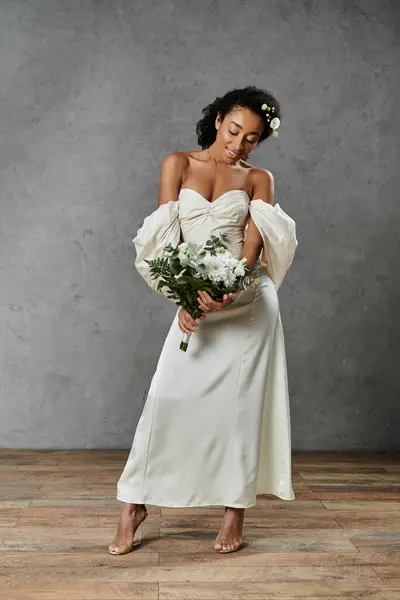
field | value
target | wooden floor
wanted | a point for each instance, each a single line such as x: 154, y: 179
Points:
x: 340, y: 538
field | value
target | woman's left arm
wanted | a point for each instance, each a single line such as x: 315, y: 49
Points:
x: 263, y: 189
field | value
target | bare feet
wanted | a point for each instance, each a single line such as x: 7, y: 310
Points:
x: 230, y: 537
x: 132, y: 516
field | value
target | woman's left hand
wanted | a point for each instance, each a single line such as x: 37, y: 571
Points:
x: 208, y: 304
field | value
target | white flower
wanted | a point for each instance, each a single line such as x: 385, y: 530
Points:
x: 239, y: 270
x: 184, y: 260
x: 184, y: 254
x: 230, y: 278
x: 275, y: 123
x: 264, y: 107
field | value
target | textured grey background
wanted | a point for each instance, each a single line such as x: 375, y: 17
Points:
x: 94, y: 95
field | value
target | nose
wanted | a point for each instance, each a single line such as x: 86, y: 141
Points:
x: 239, y: 145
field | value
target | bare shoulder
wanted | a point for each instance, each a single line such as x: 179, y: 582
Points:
x: 175, y: 161
x: 259, y: 174
x: 172, y: 174
x: 262, y: 183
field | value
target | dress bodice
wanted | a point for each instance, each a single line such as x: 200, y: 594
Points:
x: 227, y: 214
x: 193, y: 218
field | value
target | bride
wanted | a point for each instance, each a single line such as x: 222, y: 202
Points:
x: 215, y: 428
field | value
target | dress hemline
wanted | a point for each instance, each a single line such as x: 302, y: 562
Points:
x: 199, y: 505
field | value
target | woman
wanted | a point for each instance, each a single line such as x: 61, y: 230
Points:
x: 215, y: 429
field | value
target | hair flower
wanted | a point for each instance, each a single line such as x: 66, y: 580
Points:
x: 275, y: 123
x: 264, y: 107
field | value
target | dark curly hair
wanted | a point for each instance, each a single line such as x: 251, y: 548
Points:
x: 249, y: 97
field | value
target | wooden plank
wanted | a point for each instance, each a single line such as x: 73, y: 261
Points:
x: 388, y: 572
x: 383, y: 541
x: 70, y: 560
x: 292, y: 590
x: 14, y: 503
x: 344, y: 479
x: 290, y: 519
x: 68, y: 588
x: 361, y: 505
x: 69, y: 502
x: 198, y: 574
x: 270, y: 559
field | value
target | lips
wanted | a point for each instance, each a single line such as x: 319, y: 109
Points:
x: 232, y: 154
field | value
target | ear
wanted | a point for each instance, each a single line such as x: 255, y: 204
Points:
x: 218, y: 121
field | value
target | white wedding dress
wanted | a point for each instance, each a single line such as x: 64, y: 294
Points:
x: 215, y: 429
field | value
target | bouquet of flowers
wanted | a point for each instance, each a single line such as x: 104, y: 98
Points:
x: 184, y: 270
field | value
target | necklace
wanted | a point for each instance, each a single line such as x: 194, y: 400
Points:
x: 219, y: 162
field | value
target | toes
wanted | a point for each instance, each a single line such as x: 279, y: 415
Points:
x: 228, y: 547
x: 227, y: 544
x: 117, y: 548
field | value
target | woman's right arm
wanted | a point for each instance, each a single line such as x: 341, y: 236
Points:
x: 172, y: 174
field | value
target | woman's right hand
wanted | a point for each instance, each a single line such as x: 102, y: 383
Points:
x: 186, y: 322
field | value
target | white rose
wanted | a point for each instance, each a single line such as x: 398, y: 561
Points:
x: 275, y: 123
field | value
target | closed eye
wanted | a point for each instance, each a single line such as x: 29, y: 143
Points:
x: 250, y: 141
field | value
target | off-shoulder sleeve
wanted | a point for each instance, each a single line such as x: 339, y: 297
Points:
x: 278, y: 231
x: 159, y: 229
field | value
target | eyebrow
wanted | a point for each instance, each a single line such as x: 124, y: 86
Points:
x: 240, y: 127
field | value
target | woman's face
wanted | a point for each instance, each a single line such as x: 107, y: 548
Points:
x: 238, y: 133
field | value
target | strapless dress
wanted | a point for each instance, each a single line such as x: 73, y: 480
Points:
x: 215, y: 428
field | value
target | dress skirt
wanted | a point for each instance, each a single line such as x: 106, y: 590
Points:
x: 200, y: 436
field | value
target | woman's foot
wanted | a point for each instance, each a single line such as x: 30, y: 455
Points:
x: 230, y: 537
x: 132, y: 517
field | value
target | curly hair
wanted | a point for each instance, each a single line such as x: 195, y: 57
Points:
x: 249, y: 97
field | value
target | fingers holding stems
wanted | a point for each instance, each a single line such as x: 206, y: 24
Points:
x: 186, y: 322
x: 207, y: 304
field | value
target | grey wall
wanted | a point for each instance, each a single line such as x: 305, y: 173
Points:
x: 94, y: 95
